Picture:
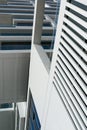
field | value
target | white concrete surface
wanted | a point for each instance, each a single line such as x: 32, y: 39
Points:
x: 13, y: 76
x: 7, y: 119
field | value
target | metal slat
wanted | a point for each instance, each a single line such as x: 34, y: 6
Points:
x: 74, y: 64
x: 75, y: 37
x: 71, y: 96
x: 82, y: 1
x: 74, y: 45
x: 71, y: 85
x: 72, y: 90
x: 77, y: 9
x: 68, y: 80
x: 77, y: 87
x: 75, y: 75
x: 76, y: 18
x: 71, y: 105
x: 74, y: 55
x: 67, y: 106
x: 76, y: 28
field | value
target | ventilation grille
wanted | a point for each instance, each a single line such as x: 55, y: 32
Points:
x: 70, y: 75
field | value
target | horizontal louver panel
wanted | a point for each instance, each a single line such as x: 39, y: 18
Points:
x: 77, y: 9
x: 68, y: 107
x: 82, y: 1
x: 80, y: 44
x: 76, y: 28
x: 70, y: 73
x: 71, y: 92
x: 83, y: 96
x: 76, y: 18
x: 74, y: 83
x: 75, y: 56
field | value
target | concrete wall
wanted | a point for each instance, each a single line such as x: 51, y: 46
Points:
x: 7, y: 120
x: 5, y: 19
x: 3, y: 1
x: 39, y: 74
x: 14, y: 67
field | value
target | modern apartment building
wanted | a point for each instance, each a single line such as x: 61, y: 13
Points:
x: 42, y: 94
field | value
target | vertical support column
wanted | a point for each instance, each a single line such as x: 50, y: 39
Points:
x: 38, y: 21
x: 36, y: 39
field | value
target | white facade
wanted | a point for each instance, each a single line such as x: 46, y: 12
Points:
x: 65, y: 99
x: 7, y: 118
x: 57, y: 93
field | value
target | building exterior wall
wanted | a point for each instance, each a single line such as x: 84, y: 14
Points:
x: 66, y: 75
x: 65, y: 99
x: 13, y: 76
x: 7, y: 119
x: 3, y: 1
x: 5, y: 20
x: 59, y: 94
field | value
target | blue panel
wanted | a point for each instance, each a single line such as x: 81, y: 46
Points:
x: 15, y: 47
x: 25, y: 24
x: 34, y: 123
x: 6, y: 105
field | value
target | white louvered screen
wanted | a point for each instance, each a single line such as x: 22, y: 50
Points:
x: 70, y: 74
